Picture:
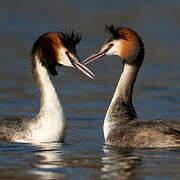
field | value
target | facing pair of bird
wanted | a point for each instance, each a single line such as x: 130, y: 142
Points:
x: 121, y: 126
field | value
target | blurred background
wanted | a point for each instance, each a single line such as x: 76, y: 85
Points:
x: 85, y: 101
x: 158, y: 83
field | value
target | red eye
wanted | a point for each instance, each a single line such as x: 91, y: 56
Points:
x: 67, y: 53
x: 110, y: 45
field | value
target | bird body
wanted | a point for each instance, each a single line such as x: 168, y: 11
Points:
x: 49, y: 50
x: 145, y: 133
x: 122, y: 127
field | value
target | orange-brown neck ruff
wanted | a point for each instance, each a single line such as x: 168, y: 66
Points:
x: 47, y: 47
x: 130, y: 45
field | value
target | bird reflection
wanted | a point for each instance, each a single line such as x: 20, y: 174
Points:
x: 50, y: 161
x: 119, y: 163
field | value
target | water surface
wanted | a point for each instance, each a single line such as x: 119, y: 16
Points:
x: 156, y: 94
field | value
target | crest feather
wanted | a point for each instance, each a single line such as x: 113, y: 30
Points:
x: 70, y: 38
x: 113, y: 31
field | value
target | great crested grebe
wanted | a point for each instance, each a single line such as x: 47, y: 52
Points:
x: 121, y: 126
x: 49, y: 50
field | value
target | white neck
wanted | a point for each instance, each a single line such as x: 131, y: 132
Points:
x: 117, y: 112
x: 50, y: 123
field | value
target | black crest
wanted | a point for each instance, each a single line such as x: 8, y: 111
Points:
x: 113, y: 31
x: 69, y: 39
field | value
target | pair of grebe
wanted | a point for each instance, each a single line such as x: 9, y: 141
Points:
x: 122, y: 128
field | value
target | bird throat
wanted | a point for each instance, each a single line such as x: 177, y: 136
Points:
x: 121, y: 109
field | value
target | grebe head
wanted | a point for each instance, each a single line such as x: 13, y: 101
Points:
x: 122, y: 42
x: 59, y: 48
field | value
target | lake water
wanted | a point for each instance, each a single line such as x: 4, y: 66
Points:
x: 85, y: 101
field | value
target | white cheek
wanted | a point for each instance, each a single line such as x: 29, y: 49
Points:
x: 115, y: 50
x: 63, y: 59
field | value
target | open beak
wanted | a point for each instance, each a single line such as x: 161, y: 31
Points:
x: 96, y: 56
x: 81, y: 67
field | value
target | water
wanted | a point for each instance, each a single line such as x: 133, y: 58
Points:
x: 156, y: 94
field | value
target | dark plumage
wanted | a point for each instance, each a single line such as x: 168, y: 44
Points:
x: 145, y: 133
x: 14, y: 126
x: 69, y: 39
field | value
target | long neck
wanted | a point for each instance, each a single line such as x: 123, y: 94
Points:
x: 49, y: 102
x: 50, y: 117
x: 121, y: 109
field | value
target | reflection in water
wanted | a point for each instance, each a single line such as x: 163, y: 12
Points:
x: 50, y: 161
x: 119, y: 163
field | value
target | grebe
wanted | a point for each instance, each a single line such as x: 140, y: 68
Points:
x: 121, y: 126
x: 49, y: 50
